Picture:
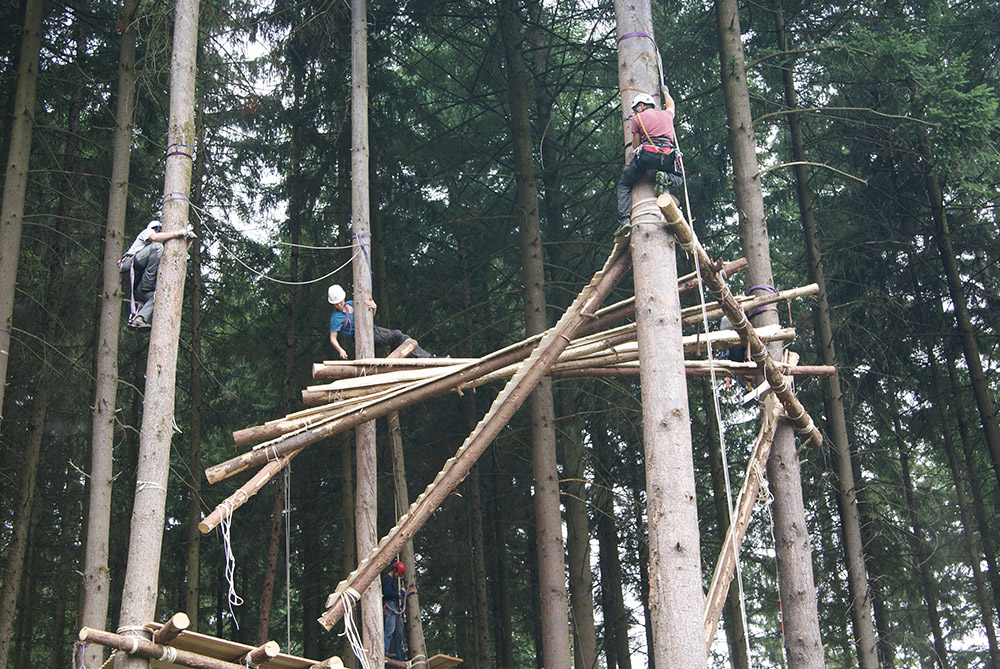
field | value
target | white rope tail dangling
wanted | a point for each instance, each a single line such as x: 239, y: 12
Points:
x: 349, y: 596
x: 232, y: 598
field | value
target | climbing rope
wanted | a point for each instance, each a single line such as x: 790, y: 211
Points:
x: 216, y: 238
x: 225, y: 526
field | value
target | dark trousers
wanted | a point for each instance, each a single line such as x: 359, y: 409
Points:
x: 394, y: 339
x: 139, y: 277
x: 641, y: 164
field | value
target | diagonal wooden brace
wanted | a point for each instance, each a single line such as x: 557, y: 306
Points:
x: 794, y: 410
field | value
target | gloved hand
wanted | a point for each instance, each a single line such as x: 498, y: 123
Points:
x: 187, y: 233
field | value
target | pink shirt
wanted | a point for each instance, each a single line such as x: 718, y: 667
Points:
x: 657, y: 122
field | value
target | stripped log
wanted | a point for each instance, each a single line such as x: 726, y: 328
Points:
x: 275, y: 465
x: 177, y: 624
x: 346, y: 369
x: 144, y: 648
x: 503, y: 408
x: 331, y: 663
x: 726, y: 566
x: 697, y: 368
x: 758, y: 352
x: 261, y: 654
x: 312, y: 416
x: 580, y: 354
x: 713, y: 310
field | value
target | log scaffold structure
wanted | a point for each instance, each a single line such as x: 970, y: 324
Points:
x: 585, y: 342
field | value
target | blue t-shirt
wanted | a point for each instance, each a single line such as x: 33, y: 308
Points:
x: 342, y: 323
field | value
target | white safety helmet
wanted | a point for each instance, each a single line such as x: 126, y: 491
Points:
x: 335, y: 294
x: 154, y: 225
x: 643, y: 98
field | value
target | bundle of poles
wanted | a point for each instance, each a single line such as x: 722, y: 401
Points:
x: 357, y: 391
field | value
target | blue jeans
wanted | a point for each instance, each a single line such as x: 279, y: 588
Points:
x: 393, y: 619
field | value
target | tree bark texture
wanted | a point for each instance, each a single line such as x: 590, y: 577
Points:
x: 16, y: 177
x: 800, y: 617
x: 192, y: 581
x: 676, y: 598
x: 850, y: 524
x: 963, y: 320
x: 366, y: 506
x: 616, y: 619
x: 140, y: 589
x: 96, y: 583
x: 548, y: 520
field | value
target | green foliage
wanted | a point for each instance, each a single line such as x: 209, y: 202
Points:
x: 887, y: 93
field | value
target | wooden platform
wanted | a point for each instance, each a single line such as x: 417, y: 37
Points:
x: 230, y: 651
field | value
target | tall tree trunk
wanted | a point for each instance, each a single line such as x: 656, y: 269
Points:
x: 963, y: 321
x: 975, y: 483
x: 736, y: 632
x: 850, y: 524
x: 41, y: 398
x: 69, y: 530
x: 581, y: 581
x: 96, y: 582
x: 271, y: 561
x: 366, y: 509
x: 484, y: 656
x: 676, y: 598
x: 192, y: 581
x: 800, y: 617
x: 139, y: 593
x: 16, y: 550
x: 411, y: 605
x: 920, y: 548
x: 15, y: 185
x: 616, y: 619
x: 968, y: 532
x: 500, y: 567
x: 551, y: 561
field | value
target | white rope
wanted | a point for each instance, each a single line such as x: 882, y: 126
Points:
x: 224, y: 525
x: 168, y: 654
x: 288, y: 555
x: 217, y: 239
x: 148, y: 485
x: 348, y: 597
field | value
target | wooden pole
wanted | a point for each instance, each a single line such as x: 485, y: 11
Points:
x: 153, y: 651
x: 260, y: 654
x: 177, y: 624
x: 504, y: 406
x: 758, y: 351
x: 726, y: 566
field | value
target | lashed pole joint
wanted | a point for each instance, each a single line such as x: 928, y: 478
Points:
x: 794, y: 410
